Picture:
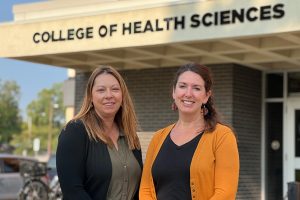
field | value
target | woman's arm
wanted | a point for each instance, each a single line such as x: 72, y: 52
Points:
x: 147, y: 181
x: 227, y: 167
x: 70, y: 161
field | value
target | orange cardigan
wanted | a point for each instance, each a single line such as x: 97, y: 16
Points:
x: 214, y: 169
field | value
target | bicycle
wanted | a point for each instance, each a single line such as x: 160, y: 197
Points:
x: 55, y: 190
x: 34, y: 188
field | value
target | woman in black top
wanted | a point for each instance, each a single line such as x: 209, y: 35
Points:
x: 98, y: 153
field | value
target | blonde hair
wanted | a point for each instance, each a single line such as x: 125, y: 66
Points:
x: 125, y: 117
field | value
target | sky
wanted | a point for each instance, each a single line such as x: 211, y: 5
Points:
x: 31, y: 77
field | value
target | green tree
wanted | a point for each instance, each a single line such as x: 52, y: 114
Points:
x: 47, y: 114
x: 49, y: 104
x: 10, y: 119
x: 46, y: 117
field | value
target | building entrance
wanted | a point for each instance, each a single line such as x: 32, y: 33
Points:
x: 292, y: 143
x: 282, y: 132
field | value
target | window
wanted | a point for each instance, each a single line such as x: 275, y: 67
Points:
x: 274, y: 85
x: 294, y: 84
x: 11, y: 165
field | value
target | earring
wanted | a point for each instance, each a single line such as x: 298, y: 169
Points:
x: 204, y: 109
x: 174, y: 106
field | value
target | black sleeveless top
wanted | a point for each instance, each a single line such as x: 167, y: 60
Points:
x: 171, y: 169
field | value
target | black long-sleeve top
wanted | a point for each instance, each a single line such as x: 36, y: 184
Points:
x: 84, y: 166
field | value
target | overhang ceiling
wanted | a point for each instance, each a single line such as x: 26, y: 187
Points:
x: 273, y: 52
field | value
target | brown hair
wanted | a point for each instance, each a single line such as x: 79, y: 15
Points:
x: 211, y: 117
x: 125, y: 117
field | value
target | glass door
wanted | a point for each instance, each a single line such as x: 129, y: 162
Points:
x: 274, y: 150
x: 292, y: 142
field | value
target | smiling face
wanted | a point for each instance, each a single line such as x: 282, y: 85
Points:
x: 106, y: 95
x: 189, y: 93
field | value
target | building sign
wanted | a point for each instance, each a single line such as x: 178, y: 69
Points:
x: 179, y: 22
x: 194, y: 21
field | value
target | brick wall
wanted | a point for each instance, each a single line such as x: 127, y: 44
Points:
x: 222, y: 91
x: 247, y: 124
x: 151, y: 93
x: 81, y: 79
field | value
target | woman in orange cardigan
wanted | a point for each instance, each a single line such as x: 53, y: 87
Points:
x: 197, y: 157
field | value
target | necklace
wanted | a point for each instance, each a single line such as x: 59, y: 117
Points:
x: 200, y: 131
x: 196, y: 131
x: 182, y: 136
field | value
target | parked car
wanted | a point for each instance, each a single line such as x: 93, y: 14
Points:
x: 52, y: 167
x: 10, y: 179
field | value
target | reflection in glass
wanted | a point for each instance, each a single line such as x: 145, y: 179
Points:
x: 297, y: 133
x: 274, y: 85
x: 294, y: 83
x: 274, y: 132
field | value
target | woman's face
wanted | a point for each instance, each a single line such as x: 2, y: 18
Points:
x: 106, y: 95
x: 189, y: 93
